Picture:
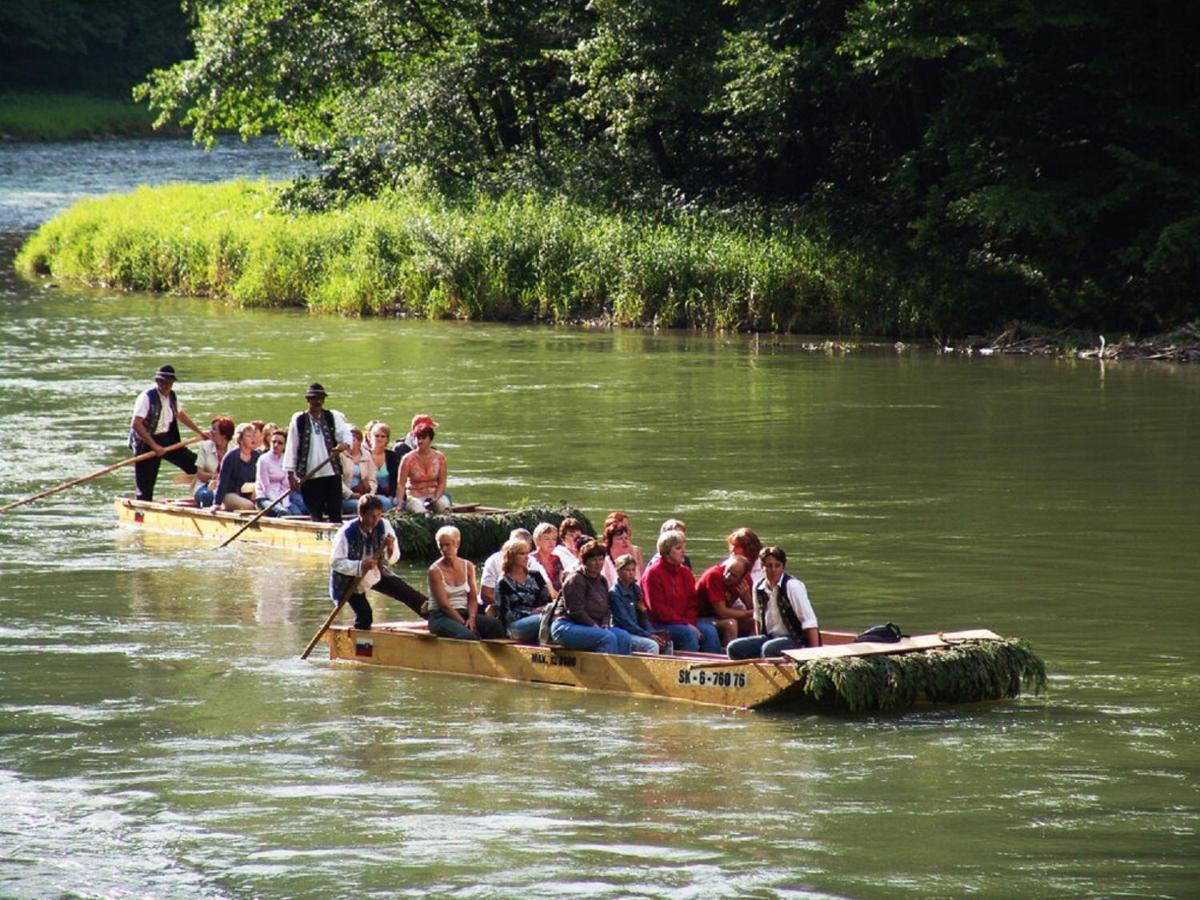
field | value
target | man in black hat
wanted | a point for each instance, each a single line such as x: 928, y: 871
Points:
x: 316, y: 437
x: 155, y: 426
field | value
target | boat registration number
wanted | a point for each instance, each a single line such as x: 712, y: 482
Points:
x: 705, y: 678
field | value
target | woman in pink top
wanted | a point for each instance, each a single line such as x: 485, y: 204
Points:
x: 271, y: 480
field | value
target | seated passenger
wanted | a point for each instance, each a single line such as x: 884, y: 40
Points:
x: 571, y: 538
x: 208, y: 460
x: 628, y: 610
x: 723, y: 594
x: 785, y: 618
x: 409, y: 441
x: 260, y: 435
x: 618, y: 534
x: 545, y: 543
x: 423, y: 474
x: 745, y: 543
x: 672, y: 525
x: 669, y: 589
x: 238, y: 469
x: 387, y: 463
x: 454, y: 598
x: 582, y: 618
x: 520, y: 593
x: 358, y: 473
x: 271, y: 481
x: 493, y: 568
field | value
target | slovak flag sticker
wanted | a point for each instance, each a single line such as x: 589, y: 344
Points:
x: 364, y: 648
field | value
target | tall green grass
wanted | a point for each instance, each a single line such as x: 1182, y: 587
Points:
x: 52, y: 117
x: 519, y: 257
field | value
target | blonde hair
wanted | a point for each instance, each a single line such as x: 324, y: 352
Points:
x: 544, y: 528
x: 669, y: 540
x: 672, y: 525
x: 240, y: 430
x: 509, y: 551
x: 448, y: 531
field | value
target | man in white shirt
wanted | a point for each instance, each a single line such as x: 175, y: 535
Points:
x: 155, y: 426
x: 316, y: 438
x: 360, y: 552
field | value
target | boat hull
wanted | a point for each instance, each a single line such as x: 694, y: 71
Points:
x: 750, y: 685
x: 214, y: 527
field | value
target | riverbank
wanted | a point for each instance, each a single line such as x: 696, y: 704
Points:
x: 516, y: 258
x: 523, y: 257
x: 31, y: 116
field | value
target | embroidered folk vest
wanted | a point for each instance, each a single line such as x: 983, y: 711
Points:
x: 154, y: 414
x: 329, y: 432
x: 361, y: 546
x: 787, y: 612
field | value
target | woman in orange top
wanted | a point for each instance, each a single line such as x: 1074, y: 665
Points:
x: 423, y: 472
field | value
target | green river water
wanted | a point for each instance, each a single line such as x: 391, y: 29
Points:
x: 159, y: 736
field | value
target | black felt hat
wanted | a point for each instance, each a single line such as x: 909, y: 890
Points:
x: 167, y: 372
x: 315, y: 390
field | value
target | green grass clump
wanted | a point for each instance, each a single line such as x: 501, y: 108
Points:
x: 56, y: 117
x: 482, y: 534
x: 520, y: 257
x: 970, y: 672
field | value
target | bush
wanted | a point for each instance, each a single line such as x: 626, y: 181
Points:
x: 518, y: 257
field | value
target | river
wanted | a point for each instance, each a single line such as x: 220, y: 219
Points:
x: 159, y: 736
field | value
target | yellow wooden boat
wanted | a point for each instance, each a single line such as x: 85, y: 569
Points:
x: 305, y: 536
x: 792, y: 682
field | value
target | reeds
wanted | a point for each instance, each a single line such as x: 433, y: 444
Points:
x: 30, y: 116
x: 521, y: 257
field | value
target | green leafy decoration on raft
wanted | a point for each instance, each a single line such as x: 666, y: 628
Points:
x: 970, y: 672
x: 482, y: 533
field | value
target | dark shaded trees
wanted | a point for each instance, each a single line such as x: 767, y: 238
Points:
x: 1031, y: 160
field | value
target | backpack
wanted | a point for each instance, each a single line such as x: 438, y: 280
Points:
x: 882, y: 634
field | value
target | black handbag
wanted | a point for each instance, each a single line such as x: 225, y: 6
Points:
x: 881, y: 634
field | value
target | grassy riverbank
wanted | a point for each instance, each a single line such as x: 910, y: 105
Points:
x: 29, y: 116
x: 513, y: 258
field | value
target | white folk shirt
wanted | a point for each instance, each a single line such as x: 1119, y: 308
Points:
x: 798, y: 597
x: 317, y: 451
x: 492, y: 571
x: 141, y: 409
x: 339, y: 556
x: 569, y: 560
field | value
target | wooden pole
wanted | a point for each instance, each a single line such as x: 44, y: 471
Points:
x: 727, y: 663
x: 133, y: 459
x: 266, y: 509
x: 346, y: 595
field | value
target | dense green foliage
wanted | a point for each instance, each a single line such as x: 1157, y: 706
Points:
x: 482, y: 535
x: 969, y: 672
x: 50, y: 117
x: 518, y: 256
x: 99, y: 47
x: 1037, y: 161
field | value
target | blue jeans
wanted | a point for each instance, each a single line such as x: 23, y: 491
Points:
x: 525, y: 629
x: 292, y: 506
x: 760, y: 645
x: 684, y: 637
x: 574, y: 636
x: 444, y: 625
x: 643, y: 644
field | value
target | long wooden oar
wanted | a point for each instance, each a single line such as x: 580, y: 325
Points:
x: 266, y: 509
x: 346, y: 595
x: 133, y: 459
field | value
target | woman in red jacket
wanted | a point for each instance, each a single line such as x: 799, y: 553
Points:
x: 669, y: 589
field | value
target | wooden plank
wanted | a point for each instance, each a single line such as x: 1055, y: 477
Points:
x: 867, y: 648
x: 906, y: 645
